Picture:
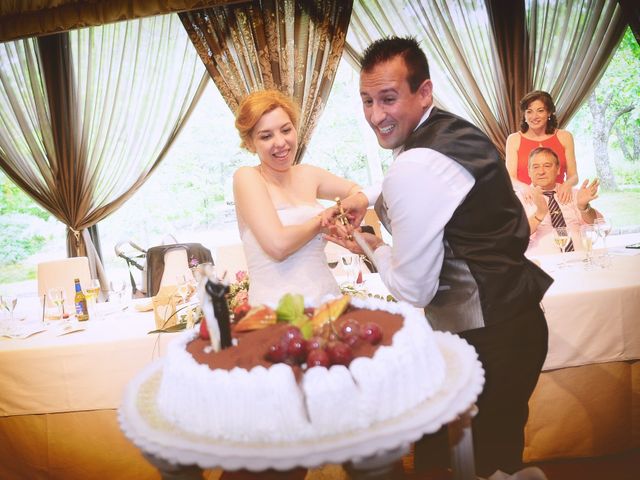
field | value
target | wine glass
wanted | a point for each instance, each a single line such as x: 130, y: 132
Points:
x: 351, y: 265
x: 8, y: 303
x: 588, y: 235
x: 91, y: 292
x: 117, y: 288
x: 332, y: 263
x: 603, y: 227
x: 57, y: 297
x: 561, y: 238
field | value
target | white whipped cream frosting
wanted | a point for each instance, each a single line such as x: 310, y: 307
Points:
x: 268, y: 405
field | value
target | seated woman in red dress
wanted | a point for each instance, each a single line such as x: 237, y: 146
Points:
x: 539, y: 128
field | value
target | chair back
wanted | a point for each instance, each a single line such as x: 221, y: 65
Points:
x: 166, y: 262
x: 60, y: 274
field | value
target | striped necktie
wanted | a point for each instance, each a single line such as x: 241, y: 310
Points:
x: 557, y: 219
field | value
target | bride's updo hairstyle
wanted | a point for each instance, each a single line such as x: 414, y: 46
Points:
x: 255, y: 105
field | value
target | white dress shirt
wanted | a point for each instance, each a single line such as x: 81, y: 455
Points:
x: 422, y: 189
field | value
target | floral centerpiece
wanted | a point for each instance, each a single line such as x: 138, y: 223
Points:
x: 238, y: 296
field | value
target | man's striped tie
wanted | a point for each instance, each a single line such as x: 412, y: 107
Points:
x: 557, y: 219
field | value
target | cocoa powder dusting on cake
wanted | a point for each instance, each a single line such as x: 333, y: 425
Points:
x: 252, y: 346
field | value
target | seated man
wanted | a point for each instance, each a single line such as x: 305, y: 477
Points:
x: 545, y: 214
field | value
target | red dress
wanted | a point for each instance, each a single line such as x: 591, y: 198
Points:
x: 527, y: 145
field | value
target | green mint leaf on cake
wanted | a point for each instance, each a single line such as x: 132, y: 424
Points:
x: 291, y: 308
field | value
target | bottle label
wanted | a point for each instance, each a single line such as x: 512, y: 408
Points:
x: 81, y: 311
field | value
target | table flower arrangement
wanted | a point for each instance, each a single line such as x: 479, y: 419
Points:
x: 238, y: 296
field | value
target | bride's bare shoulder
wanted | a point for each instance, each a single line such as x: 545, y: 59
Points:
x: 246, y: 173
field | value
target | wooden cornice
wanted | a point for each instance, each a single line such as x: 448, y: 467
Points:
x: 29, y: 18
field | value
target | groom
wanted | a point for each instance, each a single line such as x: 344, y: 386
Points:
x: 459, y: 237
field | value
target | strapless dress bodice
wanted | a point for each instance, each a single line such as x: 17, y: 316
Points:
x: 304, y: 272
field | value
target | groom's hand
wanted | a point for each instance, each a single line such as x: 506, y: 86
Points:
x: 342, y: 236
x: 355, y: 206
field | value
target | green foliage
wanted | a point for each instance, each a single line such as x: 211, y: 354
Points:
x: 16, y: 272
x: 621, y: 207
x: 19, y: 238
x: 14, y: 200
x: 627, y: 173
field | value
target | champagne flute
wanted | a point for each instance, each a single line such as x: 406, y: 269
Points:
x: 561, y: 238
x: 588, y: 235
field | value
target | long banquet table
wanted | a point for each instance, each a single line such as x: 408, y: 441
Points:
x: 59, y: 395
x: 587, y: 401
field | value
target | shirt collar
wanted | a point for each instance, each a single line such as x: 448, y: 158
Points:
x: 398, y: 150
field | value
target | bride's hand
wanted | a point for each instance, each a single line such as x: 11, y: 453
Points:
x: 344, y: 238
x: 328, y: 217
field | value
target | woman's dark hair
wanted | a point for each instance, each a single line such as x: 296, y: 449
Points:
x: 544, y: 97
x: 388, y: 48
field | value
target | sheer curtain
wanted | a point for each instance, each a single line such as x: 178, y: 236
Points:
x: 490, y: 53
x: 291, y: 45
x: 86, y: 116
x: 571, y: 45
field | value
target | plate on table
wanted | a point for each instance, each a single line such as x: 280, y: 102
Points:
x: 67, y: 328
x: 19, y: 332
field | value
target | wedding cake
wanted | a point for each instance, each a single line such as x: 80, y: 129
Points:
x: 241, y: 394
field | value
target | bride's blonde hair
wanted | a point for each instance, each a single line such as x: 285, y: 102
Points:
x: 255, y: 105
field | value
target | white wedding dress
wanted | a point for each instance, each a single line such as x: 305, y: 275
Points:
x: 304, y: 271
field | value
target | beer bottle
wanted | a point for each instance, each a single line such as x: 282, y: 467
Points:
x: 82, y: 313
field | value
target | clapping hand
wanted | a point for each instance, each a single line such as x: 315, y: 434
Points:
x: 538, y: 199
x: 587, y: 192
x: 563, y: 193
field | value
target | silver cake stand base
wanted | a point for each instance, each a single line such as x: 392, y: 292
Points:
x: 368, y: 453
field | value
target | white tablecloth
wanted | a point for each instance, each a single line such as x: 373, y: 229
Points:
x: 85, y: 370
x: 593, y: 316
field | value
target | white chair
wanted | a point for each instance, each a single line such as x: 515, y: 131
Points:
x: 60, y: 274
x: 176, y: 263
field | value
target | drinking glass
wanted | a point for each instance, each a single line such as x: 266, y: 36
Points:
x: 351, y: 265
x: 333, y: 263
x: 603, y: 228
x: 91, y: 292
x: 8, y: 303
x: 117, y: 288
x: 588, y: 235
x: 57, y: 297
x: 561, y: 237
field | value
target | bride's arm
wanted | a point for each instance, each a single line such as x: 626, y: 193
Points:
x: 255, y: 208
x: 331, y: 186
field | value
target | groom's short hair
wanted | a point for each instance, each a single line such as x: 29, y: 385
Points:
x: 388, y: 48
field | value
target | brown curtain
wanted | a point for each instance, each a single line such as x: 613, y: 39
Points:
x: 22, y: 19
x: 631, y: 12
x: 508, y: 25
x: 86, y: 116
x: 291, y: 45
x: 486, y: 55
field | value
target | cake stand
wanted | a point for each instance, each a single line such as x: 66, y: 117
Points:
x: 168, y: 445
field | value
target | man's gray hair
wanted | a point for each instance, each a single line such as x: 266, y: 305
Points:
x: 539, y: 150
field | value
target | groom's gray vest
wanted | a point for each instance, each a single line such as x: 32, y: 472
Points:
x: 485, y: 277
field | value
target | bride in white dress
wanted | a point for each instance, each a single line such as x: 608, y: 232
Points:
x: 276, y: 204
